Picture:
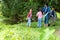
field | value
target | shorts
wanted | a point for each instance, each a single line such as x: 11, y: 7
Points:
x: 46, y: 21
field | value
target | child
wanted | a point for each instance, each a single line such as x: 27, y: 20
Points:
x: 53, y: 16
x: 29, y: 18
x: 46, y: 11
x: 39, y: 15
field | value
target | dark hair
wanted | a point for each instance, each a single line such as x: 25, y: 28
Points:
x: 39, y: 9
x: 46, y: 4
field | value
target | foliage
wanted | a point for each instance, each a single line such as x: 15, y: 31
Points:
x: 17, y: 10
x: 20, y: 32
x: 58, y: 15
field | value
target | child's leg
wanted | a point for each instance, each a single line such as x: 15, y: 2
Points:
x: 29, y: 22
x: 53, y: 21
x: 39, y: 22
x: 46, y: 22
x: 50, y: 21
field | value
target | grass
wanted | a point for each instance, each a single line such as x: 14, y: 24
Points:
x: 22, y: 32
x: 58, y: 15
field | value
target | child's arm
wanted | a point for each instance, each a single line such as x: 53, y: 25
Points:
x: 36, y: 14
x: 51, y: 13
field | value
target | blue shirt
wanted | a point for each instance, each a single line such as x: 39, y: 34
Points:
x: 53, y: 13
x: 46, y: 9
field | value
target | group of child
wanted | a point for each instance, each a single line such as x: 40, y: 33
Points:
x: 45, y: 13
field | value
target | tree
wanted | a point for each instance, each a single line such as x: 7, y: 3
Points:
x: 16, y: 10
x: 12, y: 9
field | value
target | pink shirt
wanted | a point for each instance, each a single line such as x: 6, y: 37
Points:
x: 39, y: 14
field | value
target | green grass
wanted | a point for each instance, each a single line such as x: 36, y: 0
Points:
x: 22, y: 32
x: 58, y: 15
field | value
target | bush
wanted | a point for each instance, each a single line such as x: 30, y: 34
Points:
x: 17, y: 9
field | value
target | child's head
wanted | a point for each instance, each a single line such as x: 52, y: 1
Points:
x: 53, y: 8
x: 39, y: 9
x: 31, y: 10
x: 46, y: 5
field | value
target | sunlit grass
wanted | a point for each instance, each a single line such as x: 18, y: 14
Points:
x: 21, y: 32
x: 58, y: 15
